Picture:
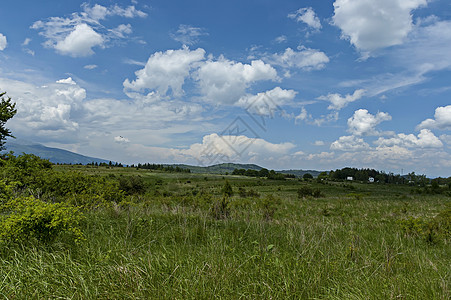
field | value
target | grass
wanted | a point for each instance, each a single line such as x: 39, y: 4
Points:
x: 347, y: 245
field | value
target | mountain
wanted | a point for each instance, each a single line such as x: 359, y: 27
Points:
x: 55, y: 155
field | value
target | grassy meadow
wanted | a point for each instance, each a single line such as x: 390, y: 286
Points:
x: 183, y: 237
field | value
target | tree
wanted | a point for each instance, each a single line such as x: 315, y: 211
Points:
x: 307, y: 176
x: 227, y: 189
x: 7, y: 111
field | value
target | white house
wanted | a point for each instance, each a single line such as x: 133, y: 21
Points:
x: 350, y: 178
x: 371, y: 180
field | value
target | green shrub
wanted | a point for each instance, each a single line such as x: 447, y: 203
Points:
x: 269, y: 205
x: 227, y: 189
x: 132, y: 184
x: 305, y: 191
x: 26, y: 218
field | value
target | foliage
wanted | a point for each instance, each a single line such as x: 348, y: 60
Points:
x: 307, y: 176
x: 132, y: 184
x: 7, y: 111
x: 26, y: 218
x: 307, y: 191
x: 269, y: 205
x: 227, y: 189
x: 364, y: 174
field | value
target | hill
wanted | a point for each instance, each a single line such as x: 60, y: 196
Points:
x: 55, y: 155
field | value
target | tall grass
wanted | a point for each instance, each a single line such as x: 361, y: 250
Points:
x: 337, y: 247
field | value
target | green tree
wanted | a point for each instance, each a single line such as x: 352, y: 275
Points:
x: 227, y: 189
x: 307, y: 176
x: 7, y: 111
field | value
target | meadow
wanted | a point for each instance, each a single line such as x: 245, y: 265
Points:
x: 204, y: 236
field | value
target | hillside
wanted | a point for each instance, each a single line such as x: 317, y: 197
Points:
x: 55, y: 155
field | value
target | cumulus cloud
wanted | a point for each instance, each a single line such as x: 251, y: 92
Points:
x: 68, y: 80
x: 46, y: 111
x: 233, y: 148
x: 267, y: 103
x: 338, y: 101
x: 79, y: 33
x: 307, y: 16
x: 370, y: 25
x: 166, y: 70
x: 364, y: 123
x: 442, y: 119
x: 349, y: 143
x: 425, y: 139
x: 79, y: 42
x: 304, y: 58
x: 3, y: 42
x: 188, y: 35
x: 224, y: 81
x: 121, y: 140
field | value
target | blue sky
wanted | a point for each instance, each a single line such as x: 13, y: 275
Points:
x: 283, y: 84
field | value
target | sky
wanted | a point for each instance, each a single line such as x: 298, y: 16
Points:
x: 283, y: 84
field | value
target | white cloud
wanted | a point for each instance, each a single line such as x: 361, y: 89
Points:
x: 79, y: 33
x: 370, y: 25
x: 80, y: 42
x: 267, y: 103
x: 364, y: 123
x: 90, y: 67
x: 47, y: 111
x: 188, y: 35
x: 235, y: 148
x: 308, y: 16
x: 303, y: 116
x: 121, y: 140
x: 3, y: 42
x: 349, y: 143
x: 442, y: 119
x: 26, y: 42
x: 304, y: 58
x: 319, y: 143
x: 99, y: 12
x: 68, y: 80
x: 281, y: 39
x: 425, y: 139
x: 338, y: 102
x: 122, y: 30
x: 224, y: 81
x: 166, y: 70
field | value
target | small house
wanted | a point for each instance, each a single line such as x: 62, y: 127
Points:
x: 350, y: 178
x: 371, y: 180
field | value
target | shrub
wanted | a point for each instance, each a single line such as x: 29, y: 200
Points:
x: 227, y: 189
x: 27, y: 218
x: 221, y: 209
x: 132, y: 184
x: 305, y: 191
x: 269, y: 205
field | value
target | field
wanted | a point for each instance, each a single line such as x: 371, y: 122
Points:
x: 184, y: 236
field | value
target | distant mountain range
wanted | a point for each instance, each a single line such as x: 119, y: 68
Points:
x: 61, y: 156
x: 55, y: 155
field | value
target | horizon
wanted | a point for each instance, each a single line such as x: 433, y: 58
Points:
x: 294, y: 85
x: 105, y: 160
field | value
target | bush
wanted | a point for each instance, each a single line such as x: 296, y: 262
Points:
x: 227, y: 189
x: 269, y: 205
x: 305, y: 191
x: 132, y: 184
x: 26, y: 218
